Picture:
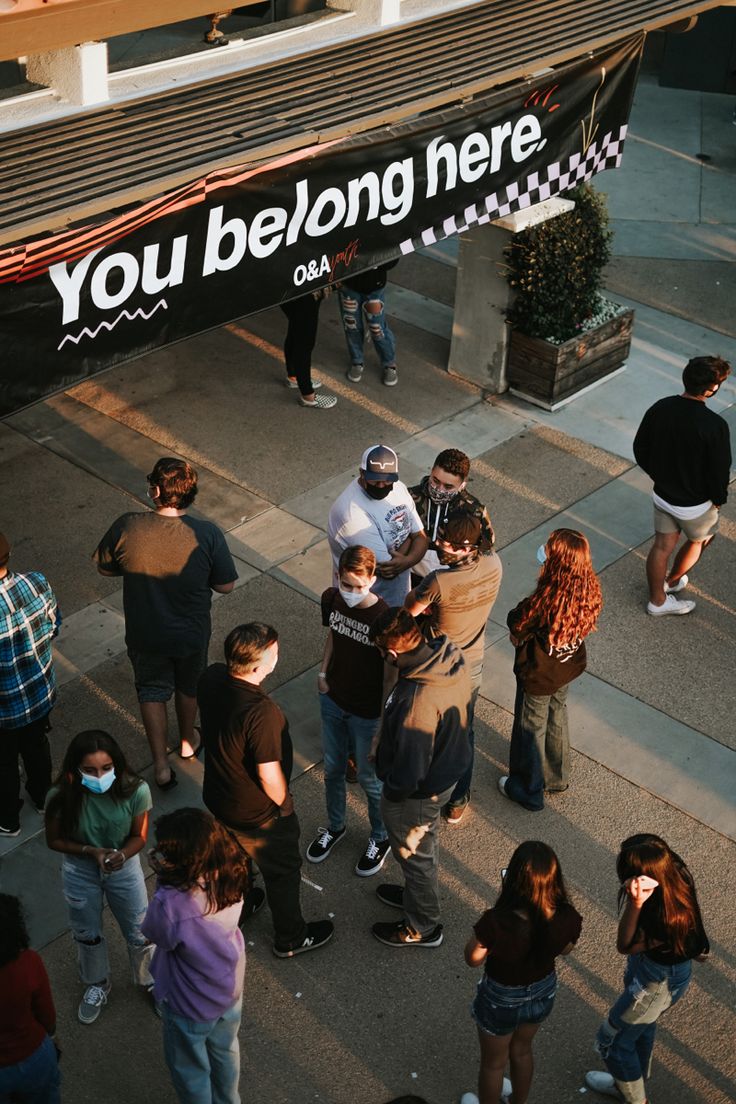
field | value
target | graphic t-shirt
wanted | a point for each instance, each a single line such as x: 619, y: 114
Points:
x: 355, y: 671
x: 542, y: 668
x: 168, y: 566
x: 515, y: 957
x: 383, y: 526
x: 105, y: 822
x: 461, y: 601
x: 241, y: 727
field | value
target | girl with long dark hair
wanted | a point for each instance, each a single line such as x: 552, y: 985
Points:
x: 661, y: 931
x: 548, y: 630
x: 199, y: 962
x: 517, y: 942
x: 29, y: 1067
x: 97, y: 817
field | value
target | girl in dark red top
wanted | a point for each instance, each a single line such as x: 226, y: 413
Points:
x: 661, y: 931
x: 517, y: 942
x: 548, y: 630
x: 29, y: 1068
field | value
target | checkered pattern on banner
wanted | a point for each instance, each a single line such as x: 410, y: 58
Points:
x: 538, y: 186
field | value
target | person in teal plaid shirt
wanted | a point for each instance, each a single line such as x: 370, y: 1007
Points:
x: 29, y: 620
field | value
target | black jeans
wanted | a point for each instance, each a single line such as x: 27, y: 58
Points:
x: 32, y: 745
x: 274, y: 848
x: 301, y: 335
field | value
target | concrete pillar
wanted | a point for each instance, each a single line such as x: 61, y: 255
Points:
x: 482, y: 296
x: 380, y: 12
x: 78, y: 74
x: 480, y: 333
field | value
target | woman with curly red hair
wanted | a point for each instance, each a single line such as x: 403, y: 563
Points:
x: 548, y: 630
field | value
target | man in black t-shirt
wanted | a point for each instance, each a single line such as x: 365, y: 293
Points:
x: 685, y: 449
x: 170, y: 564
x: 247, y: 771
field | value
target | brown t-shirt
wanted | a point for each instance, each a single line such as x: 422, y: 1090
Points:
x: 513, y: 958
x: 461, y: 602
x: 355, y: 670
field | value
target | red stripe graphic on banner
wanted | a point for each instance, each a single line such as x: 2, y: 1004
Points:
x: 25, y: 262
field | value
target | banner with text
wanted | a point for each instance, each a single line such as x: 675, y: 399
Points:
x: 245, y: 238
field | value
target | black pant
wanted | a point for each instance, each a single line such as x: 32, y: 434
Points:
x: 303, y: 315
x: 274, y: 848
x: 32, y: 745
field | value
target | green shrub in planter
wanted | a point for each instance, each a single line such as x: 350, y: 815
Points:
x: 556, y: 269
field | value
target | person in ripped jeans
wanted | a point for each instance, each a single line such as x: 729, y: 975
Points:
x: 661, y: 931
x: 361, y: 299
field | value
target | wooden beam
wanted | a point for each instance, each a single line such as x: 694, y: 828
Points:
x: 37, y: 26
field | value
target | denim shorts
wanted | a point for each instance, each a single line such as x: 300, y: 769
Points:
x: 500, y: 1009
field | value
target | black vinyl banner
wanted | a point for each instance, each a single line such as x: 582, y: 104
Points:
x: 245, y: 238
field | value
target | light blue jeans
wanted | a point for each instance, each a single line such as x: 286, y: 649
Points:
x: 86, y: 888
x: 35, y: 1080
x: 342, y: 731
x: 203, y: 1057
x: 625, y: 1039
x: 355, y: 313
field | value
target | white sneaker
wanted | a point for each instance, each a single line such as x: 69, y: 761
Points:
x: 602, y: 1083
x: 321, y: 402
x: 679, y: 585
x: 501, y: 783
x: 506, y: 1090
x: 670, y: 605
x: 291, y: 382
x: 469, y: 1098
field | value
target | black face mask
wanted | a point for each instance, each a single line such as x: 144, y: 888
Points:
x: 376, y: 492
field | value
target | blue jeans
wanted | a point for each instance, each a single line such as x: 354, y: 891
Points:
x: 461, y: 793
x: 500, y: 1009
x: 355, y: 310
x: 203, y: 1057
x: 342, y: 732
x: 85, y: 889
x: 35, y: 1080
x: 626, y: 1038
x: 539, y: 758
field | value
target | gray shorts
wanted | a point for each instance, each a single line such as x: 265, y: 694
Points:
x: 696, y: 530
x: 158, y: 676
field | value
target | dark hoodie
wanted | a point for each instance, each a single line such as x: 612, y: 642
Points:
x: 435, y: 515
x: 425, y: 743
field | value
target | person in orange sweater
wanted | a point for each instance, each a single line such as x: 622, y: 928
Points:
x: 29, y: 1066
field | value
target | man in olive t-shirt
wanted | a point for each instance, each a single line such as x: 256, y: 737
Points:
x: 457, y: 603
x: 170, y: 564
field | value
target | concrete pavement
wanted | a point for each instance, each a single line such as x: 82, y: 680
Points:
x: 651, y: 720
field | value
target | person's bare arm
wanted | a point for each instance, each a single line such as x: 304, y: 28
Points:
x: 415, y: 605
x: 410, y: 553
x: 222, y: 588
x: 322, y: 685
x: 475, y: 953
x: 273, y: 783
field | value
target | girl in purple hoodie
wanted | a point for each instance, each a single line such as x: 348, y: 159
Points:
x: 199, y: 962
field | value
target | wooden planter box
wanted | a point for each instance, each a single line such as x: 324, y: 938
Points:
x: 550, y: 375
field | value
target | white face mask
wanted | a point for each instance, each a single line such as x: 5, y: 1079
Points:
x: 541, y: 554
x: 353, y: 598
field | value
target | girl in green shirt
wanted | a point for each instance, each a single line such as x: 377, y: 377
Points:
x: 97, y: 817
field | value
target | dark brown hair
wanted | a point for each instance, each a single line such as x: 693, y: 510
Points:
x: 176, y: 481
x: 534, y: 884
x: 395, y: 629
x: 453, y: 461
x: 13, y: 933
x: 197, y: 851
x: 360, y: 560
x: 66, y: 803
x: 702, y: 373
x: 674, y: 903
x: 245, y: 644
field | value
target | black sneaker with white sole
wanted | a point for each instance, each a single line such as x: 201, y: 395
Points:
x: 402, y: 934
x: 319, y: 932
x: 373, y: 858
x: 391, y: 894
x: 320, y: 847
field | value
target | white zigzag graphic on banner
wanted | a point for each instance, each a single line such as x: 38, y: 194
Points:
x: 140, y: 313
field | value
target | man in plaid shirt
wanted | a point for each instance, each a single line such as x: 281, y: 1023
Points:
x: 29, y: 619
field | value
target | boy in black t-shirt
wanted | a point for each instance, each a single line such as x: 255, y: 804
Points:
x: 351, y: 689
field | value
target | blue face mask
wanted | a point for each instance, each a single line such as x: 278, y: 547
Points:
x: 98, y: 785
